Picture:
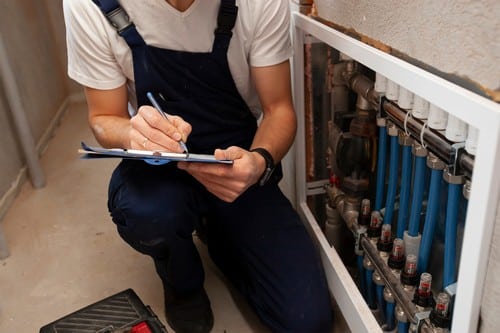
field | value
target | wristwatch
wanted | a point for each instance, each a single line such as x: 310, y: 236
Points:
x: 268, y: 171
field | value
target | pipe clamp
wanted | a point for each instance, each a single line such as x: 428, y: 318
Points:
x: 392, y: 129
x: 453, y: 179
x: 418, y: 150
x: 433, y: 162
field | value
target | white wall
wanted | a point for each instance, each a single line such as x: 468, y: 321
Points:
x: 458, y: 37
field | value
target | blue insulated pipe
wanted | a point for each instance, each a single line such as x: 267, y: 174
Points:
x: 361, y: 271
x: 381, y: 158
x: 393, y: 180
x: 370, y: 297
x: 389, y: 322
x: 403, y: 327
x: 450, y: 236
x: 418, y: 196
x: 380, y: 299
x: 430, y: 220
x: 404, y: 197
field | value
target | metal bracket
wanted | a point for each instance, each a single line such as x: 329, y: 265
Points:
x: 422, y: 318
x: 451, y: 289
x: 317, y: 187
x: 456, y: 149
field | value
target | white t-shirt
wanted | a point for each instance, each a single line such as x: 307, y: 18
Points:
x: 99, y: 58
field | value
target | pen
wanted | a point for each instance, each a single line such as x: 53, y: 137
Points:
x: 164, y: 115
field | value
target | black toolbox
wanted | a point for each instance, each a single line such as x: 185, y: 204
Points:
x: 121, y: 313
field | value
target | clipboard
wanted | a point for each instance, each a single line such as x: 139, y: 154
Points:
x: 149, y: 156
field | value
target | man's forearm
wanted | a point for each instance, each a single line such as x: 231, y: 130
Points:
x: 276, y: 132
x: 111, y: 131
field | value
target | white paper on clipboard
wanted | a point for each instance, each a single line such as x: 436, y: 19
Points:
x: 152, y: 157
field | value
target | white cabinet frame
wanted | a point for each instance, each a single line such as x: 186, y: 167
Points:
x: 473, y: 109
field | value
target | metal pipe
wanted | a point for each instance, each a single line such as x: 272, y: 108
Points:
x: 390, y: 279
x: 437, y: 143
x: 20, y: 120
x: 466, y: 163
x: 363, y: 86
x: 347, y: 209
x: 434, y: 141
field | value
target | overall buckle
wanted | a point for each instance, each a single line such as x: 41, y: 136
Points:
x: 119, y: 19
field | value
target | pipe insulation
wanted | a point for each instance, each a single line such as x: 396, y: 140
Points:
x: 389, y: 322
x: 404, y: 196
x: 370, y: 285
x: 21, y: 123
x: 379, y: 289
x: 390, y: 306
x: 381, y: 160
x: 393, y: 173
x: 403, y: 327
x: 450, y: 235
x: 432, y: 212
x: 420, y: 154
x: 403, y: 324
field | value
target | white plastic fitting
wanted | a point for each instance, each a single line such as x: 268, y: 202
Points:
x: 456, y: 130
x: 471, y: 142
x: 392, y: 92
x: 405, y: 98
x: 380, y: 83
x: 420, y: 108
x: 437, y: 118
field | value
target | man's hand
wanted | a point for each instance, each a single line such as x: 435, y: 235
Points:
x: 150, y: 131
x: 228, y: 182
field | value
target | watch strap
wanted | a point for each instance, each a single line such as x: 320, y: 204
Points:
x: 268, y: 158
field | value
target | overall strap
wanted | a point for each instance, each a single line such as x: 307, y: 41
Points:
x: 226, y: 19
x: 119, y: 19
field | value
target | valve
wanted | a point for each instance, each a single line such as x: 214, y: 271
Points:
x: 365, y: 216
x: 440, y: 315
x: 396, y: 259
x: 423, y: 295
x: 409, y: 275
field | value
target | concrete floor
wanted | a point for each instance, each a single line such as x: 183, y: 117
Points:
x: 65, y: 253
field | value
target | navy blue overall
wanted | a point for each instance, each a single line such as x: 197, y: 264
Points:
x: 257, y: 241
